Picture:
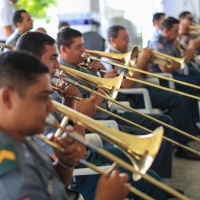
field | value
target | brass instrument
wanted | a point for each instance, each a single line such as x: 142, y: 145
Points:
x: 194, y: 30
x: 148, y: 73
x: 141, y: 155
x: 109, y: 87
x: 137, y: 125
x: 88, y: 164
x: 166, y: 60
x: 183, y: 47
x: 161, y: 59
x: 129, y: 58
x: 2, y: 45
x: 91, y: 79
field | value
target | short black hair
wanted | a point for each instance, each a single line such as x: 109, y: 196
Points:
x: 157, y: 16
x: 113, y: 31
x: 66, y: 37
x: 63, y: 24
x: 169, y: 22
x: 34, y: 42
x: 184, y: 14
x: 17, y: 16
x: 19, y: 70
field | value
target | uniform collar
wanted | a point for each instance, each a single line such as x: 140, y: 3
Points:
x: 113, y: 49
x: 65, y: 63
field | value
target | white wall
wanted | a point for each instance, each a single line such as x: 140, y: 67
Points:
x: 175, y: 7
x: 78, y: 13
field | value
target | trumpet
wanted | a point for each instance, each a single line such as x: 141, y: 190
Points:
x: 140, y: 154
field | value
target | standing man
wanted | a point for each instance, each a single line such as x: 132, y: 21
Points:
x: 6, y: 19
x: 23, y: 23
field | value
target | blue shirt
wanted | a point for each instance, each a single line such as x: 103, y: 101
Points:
x: 159, y: 43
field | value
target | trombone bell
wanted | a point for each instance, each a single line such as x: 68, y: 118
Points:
x: 109, y: 86
x: 128, y: 59
x: 141, y: 150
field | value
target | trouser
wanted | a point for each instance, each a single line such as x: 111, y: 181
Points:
x: 173, y: 105
x: 191, y: 104
x: 162, y: 164
x: 86, y: 184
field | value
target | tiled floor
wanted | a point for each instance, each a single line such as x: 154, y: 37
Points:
x: 186, y: 176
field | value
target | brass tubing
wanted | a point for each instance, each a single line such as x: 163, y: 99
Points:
x: 150, y: 131
x: 131, y: 109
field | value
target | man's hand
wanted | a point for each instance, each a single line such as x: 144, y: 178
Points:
x: 183, y: 29
x: 96, y: 65
x: 68, y: 92
x: 189, y: 55
x: 111, y: 74
x: 112, y: 186
x: 87, y: 107
x: 146, y: 56
x: 73, y: 150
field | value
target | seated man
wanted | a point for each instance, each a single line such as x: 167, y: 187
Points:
x: 164, y: 43
x: 173, y: 104
x: 70, y: 45
x: 26, y: 172
x: 44, y: 47
x: 189, y: 41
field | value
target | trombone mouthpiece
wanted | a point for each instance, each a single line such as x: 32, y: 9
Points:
x: 85, y: 55
x: 57, y: 75
x: 50, y: 120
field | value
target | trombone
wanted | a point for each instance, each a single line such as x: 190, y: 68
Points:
x: 2, y: 45
x: 130, y: 58
x: 100, y: 81
x: 135, y: 124
x: 142, y: 155
x: 148, y: 73
x: 194, y: 30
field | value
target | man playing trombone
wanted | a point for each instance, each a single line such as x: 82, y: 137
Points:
x: 172, y: 103
x: 164, y: 43
x: 26, y: 171
x: 44, y: 47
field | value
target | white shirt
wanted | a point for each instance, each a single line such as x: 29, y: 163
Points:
x: 6, y: 17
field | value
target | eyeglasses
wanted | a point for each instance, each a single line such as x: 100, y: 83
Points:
x: 127, y: 38
x: 190, y: 18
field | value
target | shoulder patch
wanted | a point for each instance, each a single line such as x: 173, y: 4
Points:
x: 8, y: 159
x: 160, y: 46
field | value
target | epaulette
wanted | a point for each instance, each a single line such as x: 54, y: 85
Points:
x: 8, y: 159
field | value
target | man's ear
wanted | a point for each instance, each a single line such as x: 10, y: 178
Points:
x: 165, y: 31
x: 63, y: 49
x: 5, y: 97
x: 112, y: 40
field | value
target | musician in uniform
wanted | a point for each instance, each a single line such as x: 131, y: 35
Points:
x: 173, y: 104
x: 44, y: 47
x: 26, y: 171
x: 164, y: 43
